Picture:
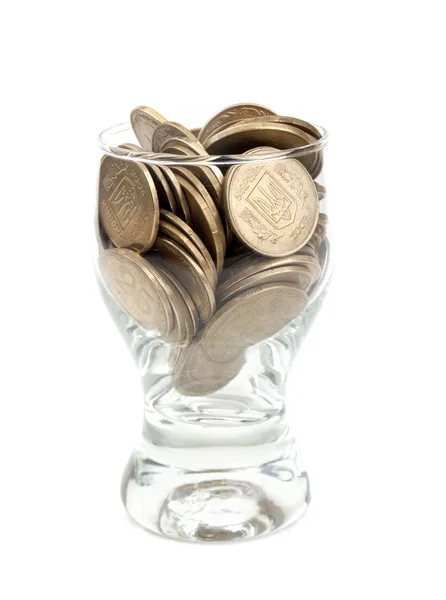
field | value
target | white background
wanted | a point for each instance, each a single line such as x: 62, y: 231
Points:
x: 368, y: 401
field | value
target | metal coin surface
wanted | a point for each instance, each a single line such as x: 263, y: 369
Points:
x: 183, y: 266
x: 183, y: 330
x: 169, y: 217
x: 167, y: 130
x: 183, y: 146
x: 174, y: 233
x: 205, y: 217
x: 271, y: 207
x: 128, y: 203
x: 232, y: 114
x: 165, y: 194
x: 182, y: 206
x: 197, y: 375
x: 299, y: 276
x: 249, y: 318
x: 303, y: 125
x: 135, y: 287
x: 144, y: 122
x: 195, y: 319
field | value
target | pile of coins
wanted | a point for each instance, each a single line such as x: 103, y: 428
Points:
x: 212, y: 260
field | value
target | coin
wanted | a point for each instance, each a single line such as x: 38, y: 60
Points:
x: 128, y: 203
x: 174, y: 233
x: 321, y: 191
x: 271, y: 207
x: 135, y: 287
x: 249, y: 318
x: 101, y: 235
x: 184, y: 329
x: 196, y: 375
x: 144, y: 122
x: 192, y: 236
x: 232, y: 114
x: 195, y: 319
x: 299, y: 276
x: 303, y: 125
x: 180, y: 199
x: 205, y: 217
x: 185, y: 146
x: 183, y: 266
x: 167, y: 130
x: 253, y: 266
x: 165, y: 194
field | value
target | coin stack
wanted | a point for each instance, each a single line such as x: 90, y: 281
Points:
x: 212, y: 259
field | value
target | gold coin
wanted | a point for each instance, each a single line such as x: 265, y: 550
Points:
x: 144, y: 122
x: 196, y: 375
x: 195, y: 319
x: 271, y: 207
x: 249, y: 318
x: 241, y: 137
x: 170, y: 231
x: 205, y: 217
x: 165, y: 194
x: 183, y: 329
x: 180, y: 198
x: 192, y: 236
x: 183, y: 266
x: 303, y: 125
x: 135, y: 287
x: 128, y: 203
x: 321, y: 191
x: 167, y: 130
x: 299, y: 276
x: 251, y: 267
x: 184, y: 146
x: 232, y: 114
x: 195, y: 131
x: 131, y: 147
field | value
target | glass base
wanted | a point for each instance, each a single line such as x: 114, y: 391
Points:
x: 214, y: 505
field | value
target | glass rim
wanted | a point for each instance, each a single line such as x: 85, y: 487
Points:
x: 166, y: 159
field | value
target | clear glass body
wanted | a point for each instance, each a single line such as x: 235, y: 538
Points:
x: 217, y: 459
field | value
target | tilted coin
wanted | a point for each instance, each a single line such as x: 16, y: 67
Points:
x: 174, y: 233
x: 249, y: 318
x: 144, y: 122
x: 181, y: 203
x: 254, y: 265
x: 294, y: 274
x: 195, y: 318
x: 192, y: 236
x: 196, y: 375
x: 135, y: 287
x: 131, y: 147
x: 271, y: 207
x: 205, y: 217
x: 128, y: 203
x: 183, y: 146
x: 232, y: 114
x: 309, y: 128
x: 165, y: 194
x: 241, y: 137
x: 321, y: 191
x: 195, y: 131
x: 183, y: 266
x: 167, y: 130
x: 183, y: 329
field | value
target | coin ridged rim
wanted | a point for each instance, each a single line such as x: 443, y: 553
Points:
x: 178, y: 193
x: 197, y: 193
x: 205, y: 310
x: 169, y: 230
x: 141, y: 264
x: 190, y: 233
x: 209, y: 127
x: 106, y: 141
x: 283, y: 274
x: 151, y: 207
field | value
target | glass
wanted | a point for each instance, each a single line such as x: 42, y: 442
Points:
x: 217, y: 459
